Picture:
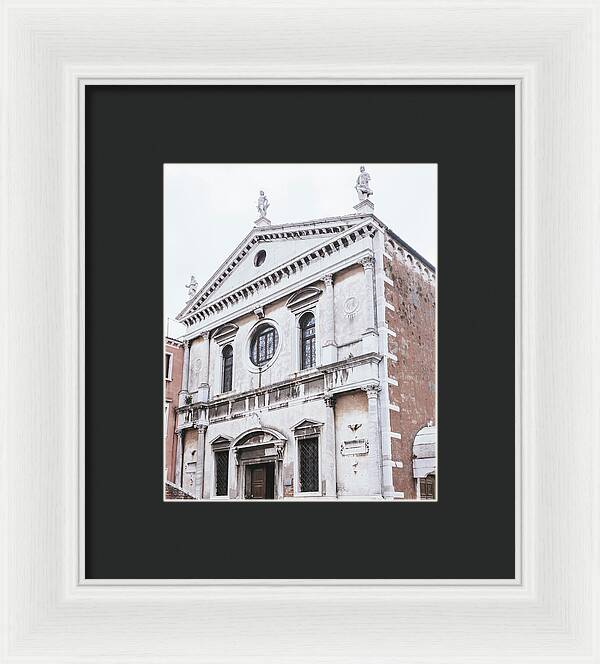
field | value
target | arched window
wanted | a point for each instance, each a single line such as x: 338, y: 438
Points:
x: 307, y: 341
x: 227, y: 369
x: 263, y: 344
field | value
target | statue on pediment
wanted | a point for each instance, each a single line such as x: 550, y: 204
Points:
x: 362, y: 185
x: 192, y: 286
x: 263, y: 204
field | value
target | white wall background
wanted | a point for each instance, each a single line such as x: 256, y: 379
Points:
x: 209, y: 208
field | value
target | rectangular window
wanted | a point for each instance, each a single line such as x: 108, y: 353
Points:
x: 227, y: 375
x: 308, y: 348
x: 427, y: 487
x: 308, y: 453
x: 222, y: 472
x: 168, y: 366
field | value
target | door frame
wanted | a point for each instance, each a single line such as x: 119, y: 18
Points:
x: 277, y: 495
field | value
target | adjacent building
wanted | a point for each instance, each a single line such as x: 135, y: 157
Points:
x: 308, y: 364
x: 425, y: 462
x: 173, y: 375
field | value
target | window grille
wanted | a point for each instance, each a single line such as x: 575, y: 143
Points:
x: 222, y: 472
x: 264, y: 344
x: 307, y: 341
x: 309, y: 464
x: 227, y: 369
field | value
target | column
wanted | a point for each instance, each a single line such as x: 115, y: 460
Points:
x: 329, y: 353
x: 374, y: 438
x: 328, y: 453
x: 200, y: 460
x: 232, y: 488
x: 204, y: 358
x: 185, y: 378
x: 369, y: 335
x: 179, y: 458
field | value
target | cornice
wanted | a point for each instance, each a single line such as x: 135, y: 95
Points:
x: 305, y: 281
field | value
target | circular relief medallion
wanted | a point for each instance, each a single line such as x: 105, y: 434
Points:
x: 351, y: 306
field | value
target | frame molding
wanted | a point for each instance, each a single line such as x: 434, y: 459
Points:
x: 549, y: 50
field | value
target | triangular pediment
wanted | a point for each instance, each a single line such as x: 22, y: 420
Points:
x: 307, y: 424
x: 264, y: 250
x: 272, y: 253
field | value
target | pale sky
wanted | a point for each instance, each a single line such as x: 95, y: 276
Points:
x: 210, y: 208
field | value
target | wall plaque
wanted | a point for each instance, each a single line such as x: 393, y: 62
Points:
x: 354, y: 447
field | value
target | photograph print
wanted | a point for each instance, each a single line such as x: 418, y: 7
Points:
x: 300, y: 332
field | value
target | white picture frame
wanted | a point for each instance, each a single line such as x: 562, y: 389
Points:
x: 549, y: 51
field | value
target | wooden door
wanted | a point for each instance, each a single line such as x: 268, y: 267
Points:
x: 258, y: 482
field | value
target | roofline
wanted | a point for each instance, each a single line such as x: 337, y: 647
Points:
x: 257, y: 230
x: 349, y: 217
x: 407, y: 246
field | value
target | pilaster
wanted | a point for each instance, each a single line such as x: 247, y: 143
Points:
x: 200, y: 460
x: 329, y: 352
x: 373, y: 433
x: 370, y: 336
x: 203, y: 374
x: 232, y: 489
x: 179, y: 458
x: 329, y: 473
x: 185, y: 378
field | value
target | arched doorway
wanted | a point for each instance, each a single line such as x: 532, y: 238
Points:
x: 258, y: 455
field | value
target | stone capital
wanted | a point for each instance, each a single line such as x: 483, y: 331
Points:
x: 371, y: 390
x: 368, y: 262
x: 328, y: 279
x: 330, y: 401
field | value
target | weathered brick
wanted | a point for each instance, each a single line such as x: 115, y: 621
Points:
x: 173, y: 492
x: 413, y: 321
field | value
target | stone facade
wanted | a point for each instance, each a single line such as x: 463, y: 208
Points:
x: 309, y: 362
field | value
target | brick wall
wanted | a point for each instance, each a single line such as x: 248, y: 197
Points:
x: 412, y: 294
x: 173, y: 492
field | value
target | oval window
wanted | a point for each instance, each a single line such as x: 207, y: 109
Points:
x: 259, y: 259
x: 263, y: 345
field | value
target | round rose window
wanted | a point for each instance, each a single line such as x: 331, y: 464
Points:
x: 263, y: 345
x: 259, y: 259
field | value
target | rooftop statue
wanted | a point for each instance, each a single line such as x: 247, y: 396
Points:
x: 263, y: 204
x: 362, y: 185
x: 192, y: 286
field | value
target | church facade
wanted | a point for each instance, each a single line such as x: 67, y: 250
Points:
x: 309, y: 364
